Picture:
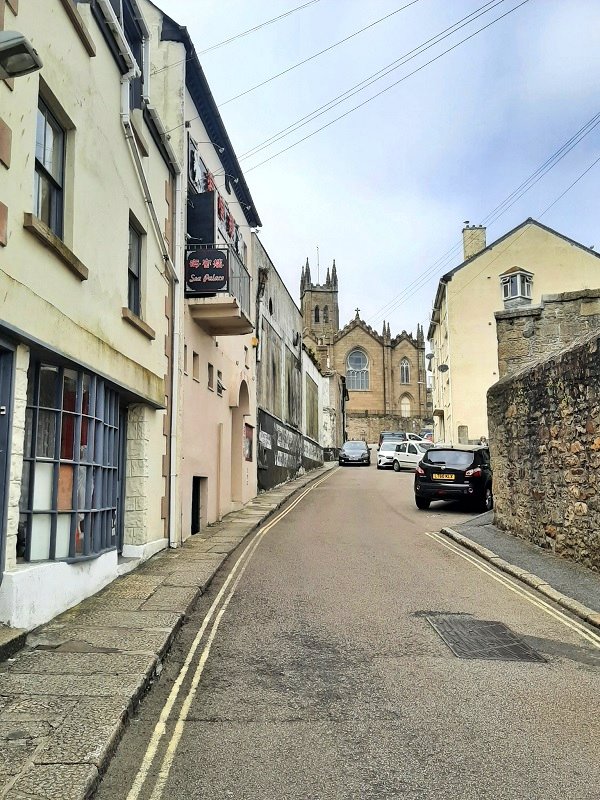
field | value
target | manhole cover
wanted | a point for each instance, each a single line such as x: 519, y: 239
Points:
x: 476, y: 638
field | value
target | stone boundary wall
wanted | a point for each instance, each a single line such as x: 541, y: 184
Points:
x: 530, y: 333
x: 544, y: 423
x: 367, y: 425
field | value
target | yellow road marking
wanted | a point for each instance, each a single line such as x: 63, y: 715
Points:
x: 510, y: 584
x: 160, y: 727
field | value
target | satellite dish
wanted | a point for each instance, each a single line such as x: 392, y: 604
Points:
x: 443, y: 368
x: 429, y: 356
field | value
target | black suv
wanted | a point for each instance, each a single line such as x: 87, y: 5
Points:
x: 455, y: 473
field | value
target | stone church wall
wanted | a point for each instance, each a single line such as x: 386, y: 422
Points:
x: 359, y: 401
x: 367, y: 425
x: 544, y: 423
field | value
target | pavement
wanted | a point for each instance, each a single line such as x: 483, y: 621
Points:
x: 67, y: 695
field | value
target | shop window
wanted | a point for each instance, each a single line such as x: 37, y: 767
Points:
x: 49, y: 170
x: 70, y: 482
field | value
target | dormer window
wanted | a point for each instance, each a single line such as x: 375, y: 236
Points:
x: 516, y: 283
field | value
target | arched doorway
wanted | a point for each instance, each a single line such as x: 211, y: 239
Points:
x: 238, y: 412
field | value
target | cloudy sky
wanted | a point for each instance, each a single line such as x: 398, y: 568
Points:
x: 386, y: 189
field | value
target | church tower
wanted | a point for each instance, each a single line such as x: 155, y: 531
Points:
x: 319, y: 303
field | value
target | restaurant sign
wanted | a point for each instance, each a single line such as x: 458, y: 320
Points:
x: 206, y: 272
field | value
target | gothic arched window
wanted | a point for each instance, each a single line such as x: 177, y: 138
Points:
x: 317, y: 315
x: 357, y: 371
x: 405, y: 407
x: 326, y: 314
x: 404, y: 371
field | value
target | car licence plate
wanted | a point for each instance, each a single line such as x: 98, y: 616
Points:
x: 443, y: 476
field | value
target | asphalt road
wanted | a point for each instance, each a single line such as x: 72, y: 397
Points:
x: 325, y: 678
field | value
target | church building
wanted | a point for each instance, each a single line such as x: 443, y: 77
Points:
x: 385, y: 375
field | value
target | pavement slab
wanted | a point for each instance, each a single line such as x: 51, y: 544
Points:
x: 171, y: 598
x: 116, y: 640
x: 51, y: 662
x: 72, y: 685
x: 140, y: 620
x: 56, y: 782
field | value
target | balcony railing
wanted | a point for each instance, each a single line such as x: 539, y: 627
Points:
x: 227, y: 311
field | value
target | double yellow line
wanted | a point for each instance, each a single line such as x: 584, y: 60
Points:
x: 513, y: 586
x: 227, y: 591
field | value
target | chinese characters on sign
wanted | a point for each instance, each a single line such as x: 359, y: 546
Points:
x: 206, y: 272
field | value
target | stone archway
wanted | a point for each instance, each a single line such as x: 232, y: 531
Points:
x: 238, y: 412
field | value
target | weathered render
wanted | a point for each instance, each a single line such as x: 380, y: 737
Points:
x: 87, y: 327
x: 544, y: 418
x: 217, y: 399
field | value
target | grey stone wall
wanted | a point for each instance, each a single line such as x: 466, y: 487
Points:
x: 544, y: 423
x: 367, y: 425
x: 530, y: 333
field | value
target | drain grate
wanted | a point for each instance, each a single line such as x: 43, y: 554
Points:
x: 476, y: 638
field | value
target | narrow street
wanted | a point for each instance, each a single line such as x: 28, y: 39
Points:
x: 325, y: 678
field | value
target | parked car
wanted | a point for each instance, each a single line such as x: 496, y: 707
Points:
x: 354, y: 452
x: 461, y: 472
x: 400, y: 436
x: 408, y: 454
x: 387, y: 451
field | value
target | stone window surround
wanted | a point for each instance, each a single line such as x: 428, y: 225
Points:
x: 352, y: 373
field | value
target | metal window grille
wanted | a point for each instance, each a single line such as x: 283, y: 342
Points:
x: 70, y: 484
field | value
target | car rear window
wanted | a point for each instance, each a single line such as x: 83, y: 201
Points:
x: 457, y: 459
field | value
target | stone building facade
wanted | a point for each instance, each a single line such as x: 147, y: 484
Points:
x: 385, y: 375
x: 544, y: 419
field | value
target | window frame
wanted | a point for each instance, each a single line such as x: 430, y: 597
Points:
x: 42, y: 172
x: 404, y: 371
x: 357, y: 380
x: 521, y: 282
x: 134, y: 281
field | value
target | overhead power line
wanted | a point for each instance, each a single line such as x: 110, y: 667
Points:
x: 494, y: 215
x: 239, y: 35
x: 316, y: 55
x: 373, y: 78
x: 387, y: 89
x: 516, y: 195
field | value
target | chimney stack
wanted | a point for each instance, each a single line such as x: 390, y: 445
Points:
x: 473, y: 240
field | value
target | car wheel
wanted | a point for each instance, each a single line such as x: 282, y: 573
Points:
x: 487, y: 501
x: 396, y: 466
x: 422, y: 503
x: 340, y: 463
x: 378, y: 466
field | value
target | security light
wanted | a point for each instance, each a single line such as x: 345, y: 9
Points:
x: 17, y: 56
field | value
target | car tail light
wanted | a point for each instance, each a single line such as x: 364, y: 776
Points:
x: 419, y: 470
x: 473, y: 473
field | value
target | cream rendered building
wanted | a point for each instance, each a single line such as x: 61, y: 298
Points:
x: 87, y: 322
x: 217, y: 400
x: 529, y: 261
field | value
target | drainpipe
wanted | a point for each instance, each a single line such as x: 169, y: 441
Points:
x: 135, y: 72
